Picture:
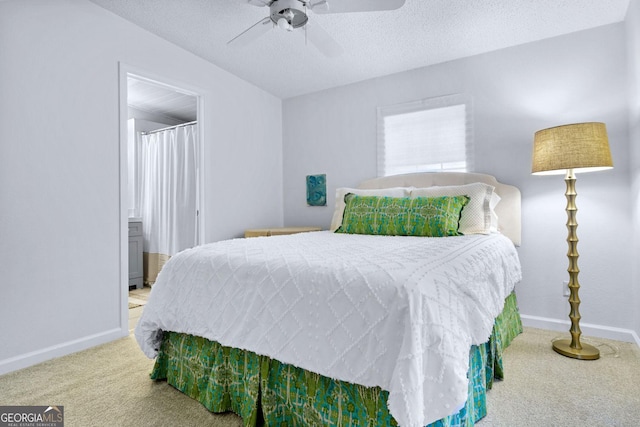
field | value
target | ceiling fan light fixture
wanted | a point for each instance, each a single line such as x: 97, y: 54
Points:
x: 292, y: 14
x: 293, y: 11
x: 283, y: 24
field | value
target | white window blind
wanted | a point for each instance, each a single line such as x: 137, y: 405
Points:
x: 425, y: 136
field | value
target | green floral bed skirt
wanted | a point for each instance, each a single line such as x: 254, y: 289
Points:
x: 264, y: 391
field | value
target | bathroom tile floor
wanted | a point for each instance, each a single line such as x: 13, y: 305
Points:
x: 137, y: 297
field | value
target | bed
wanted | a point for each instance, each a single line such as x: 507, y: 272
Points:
x: 397, y: 315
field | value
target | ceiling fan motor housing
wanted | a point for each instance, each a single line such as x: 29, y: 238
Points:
x: 291, y: 10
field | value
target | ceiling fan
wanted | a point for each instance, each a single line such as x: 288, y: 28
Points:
x: 289, y: 15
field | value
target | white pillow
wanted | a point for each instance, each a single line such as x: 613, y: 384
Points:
x: 494, y: 217
x: 338, y: 213
x: 478, y: 216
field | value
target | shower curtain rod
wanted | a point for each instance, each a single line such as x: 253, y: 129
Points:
x: 170, y: 127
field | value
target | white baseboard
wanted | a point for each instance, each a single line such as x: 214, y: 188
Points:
x: 587, y: 329
x: 32, y: 358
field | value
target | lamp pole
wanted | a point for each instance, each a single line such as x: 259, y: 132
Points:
x: 573, y: 348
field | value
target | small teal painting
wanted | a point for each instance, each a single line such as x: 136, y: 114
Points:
x: 317, y: 190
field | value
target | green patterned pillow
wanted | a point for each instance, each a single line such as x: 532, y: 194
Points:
x: 402, y: 216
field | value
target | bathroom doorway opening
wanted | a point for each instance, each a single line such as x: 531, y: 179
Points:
x: 161, y: 138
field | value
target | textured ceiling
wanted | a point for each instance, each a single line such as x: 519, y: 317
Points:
x: 161, y: 101
x: 420, y: 33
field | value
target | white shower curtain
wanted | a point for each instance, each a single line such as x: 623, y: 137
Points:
x: 167, y: 194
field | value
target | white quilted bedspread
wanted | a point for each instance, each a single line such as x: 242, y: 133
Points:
x: 395, y: 312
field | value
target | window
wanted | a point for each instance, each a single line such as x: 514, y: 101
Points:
x: 431, y: 135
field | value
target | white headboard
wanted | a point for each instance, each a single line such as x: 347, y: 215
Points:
x: 508, y: 210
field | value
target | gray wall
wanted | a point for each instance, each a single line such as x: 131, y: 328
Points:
x: 516, y: 91
x: 60, y: 212
x: 633, y: 49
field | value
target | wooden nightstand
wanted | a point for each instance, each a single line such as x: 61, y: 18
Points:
x: 278, y: 231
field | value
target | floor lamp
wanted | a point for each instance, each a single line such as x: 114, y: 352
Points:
x: 570, y: 149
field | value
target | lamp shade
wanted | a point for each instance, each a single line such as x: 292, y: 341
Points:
x: 582, y: 147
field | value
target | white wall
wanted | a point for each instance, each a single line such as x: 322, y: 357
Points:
x: 516, y: 91
x: 60, y: 212
x: 633, y: 50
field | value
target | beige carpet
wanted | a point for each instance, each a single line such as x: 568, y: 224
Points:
x: 109, y: 386
x: 543, y: 388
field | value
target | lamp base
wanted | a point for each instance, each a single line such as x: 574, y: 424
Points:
x: 587, y: 352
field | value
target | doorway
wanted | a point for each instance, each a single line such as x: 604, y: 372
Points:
x: 159, y: 127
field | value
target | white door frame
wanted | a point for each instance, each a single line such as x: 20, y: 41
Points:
x: 126, y: 71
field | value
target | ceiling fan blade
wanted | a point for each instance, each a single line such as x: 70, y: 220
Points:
x: 251, y: 33
x: 345, y: 6
x: 258, y: 3
x: 319, y: 37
